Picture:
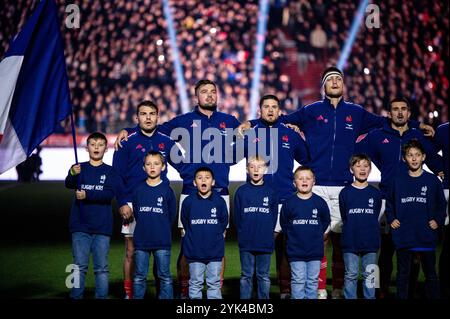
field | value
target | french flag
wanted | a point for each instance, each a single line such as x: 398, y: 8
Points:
x: 34, y: 92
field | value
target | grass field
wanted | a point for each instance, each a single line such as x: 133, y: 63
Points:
x: 35, y: 246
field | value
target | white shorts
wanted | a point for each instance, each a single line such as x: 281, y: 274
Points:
x: 384, y: 226
x: 278, y: 226
x: 183, y: 197
x: 128, y: 229
x: 446, y: 197
x: 331, y: 196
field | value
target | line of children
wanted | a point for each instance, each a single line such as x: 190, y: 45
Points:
x: 360, y: 205
x: 415, y: 210
x: 155, y: 211
x: 91, y: 221
x: 305, y: 219
x: 255, y: 217
x: 204, y: 216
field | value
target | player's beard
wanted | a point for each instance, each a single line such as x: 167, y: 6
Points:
x: 209, y: 106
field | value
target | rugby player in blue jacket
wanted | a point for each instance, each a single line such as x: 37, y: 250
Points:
x: 195, y: 131
x: 331, y: 127
x: 384, y: 145
x: 91, y: 220
x: 128, y: 163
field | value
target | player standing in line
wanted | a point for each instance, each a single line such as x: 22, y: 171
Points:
x: 128, y: 163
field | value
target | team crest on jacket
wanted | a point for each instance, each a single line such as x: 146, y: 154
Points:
x: 349, y: 122
x: 102, y: 179
x: 213, y: 212
x: 371, y: 202
x: 160, y: 201
x: 266, y: 201
x: 424, y: 191
x: 161, y: 146
x: 285, y: 141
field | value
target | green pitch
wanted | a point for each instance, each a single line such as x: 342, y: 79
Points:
x: 35, y: 246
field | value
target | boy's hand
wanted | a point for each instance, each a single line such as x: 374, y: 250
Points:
x: 395, y: 224
x: 242, y: 128
x: 75, y: 169
x: 125, y: 211
x: 123, y: 135
x: 433, y: 224
x: 80, y: 194
x: 427, y: 129
x: 441, y: 175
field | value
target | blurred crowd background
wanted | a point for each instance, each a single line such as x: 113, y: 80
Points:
x: 121, y: 55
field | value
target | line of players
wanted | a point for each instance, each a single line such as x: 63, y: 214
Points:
x: 330, y: 129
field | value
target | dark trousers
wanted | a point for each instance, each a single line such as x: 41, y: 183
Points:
x: 444, y: 266
x: 282, y: 264
x: 428, y: 261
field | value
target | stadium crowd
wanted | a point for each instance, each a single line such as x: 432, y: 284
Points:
x: 121, y: 54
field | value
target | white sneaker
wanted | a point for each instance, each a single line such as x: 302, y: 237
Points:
x: 337, y: 294
x: 322, y: 294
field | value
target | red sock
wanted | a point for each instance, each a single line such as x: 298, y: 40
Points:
x: 128, y: 285
x: 323, y: 273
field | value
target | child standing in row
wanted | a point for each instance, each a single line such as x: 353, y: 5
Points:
x: 154, y: 206
x: 91, y: 220
x: 415, y: 209
x: 204, y: 216
x: 255, y: 216
x: 305, y: 219
x: 360, y: 205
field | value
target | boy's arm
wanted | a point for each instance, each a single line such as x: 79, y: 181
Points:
x: 120, y: 165
x: 237, y: 210
x: 100, y: 197
x: 325, y: 217
x: 390, y: 203
x: 184, y: 214
x: 342, y: 206
x: 441, y: 204
x: 224, y: 216
x: 172, y: 206
x: 284, y: 218
x: 119, y: 189
x: 71, y: 180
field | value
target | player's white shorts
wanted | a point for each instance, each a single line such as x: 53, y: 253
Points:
x: 331, y: 195
x: 446, y: 197
x: 128, y: 229
x: 183, y: 197
x: 278, y: 226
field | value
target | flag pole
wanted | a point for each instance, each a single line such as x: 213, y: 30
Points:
x: 74, y: 139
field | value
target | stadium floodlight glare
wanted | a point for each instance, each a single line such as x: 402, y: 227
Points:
x: 181, y: 84
x: 159, y: 42
x: 357, y: 21
x: 430, y: 48
x: 263, y: 12
x: 366, y: 71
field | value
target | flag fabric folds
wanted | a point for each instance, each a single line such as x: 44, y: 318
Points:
x: 34, y: 91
